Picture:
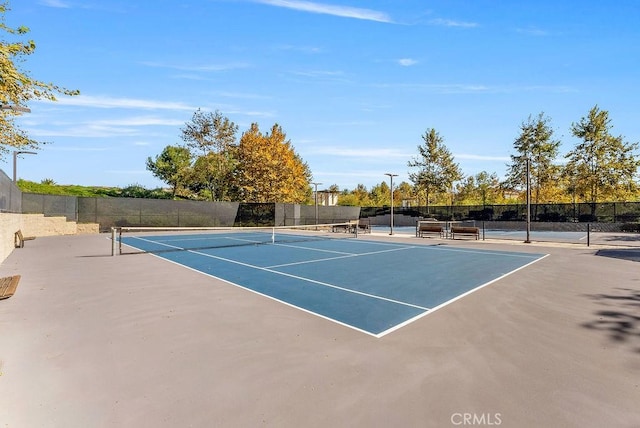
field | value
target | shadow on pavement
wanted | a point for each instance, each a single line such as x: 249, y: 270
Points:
x: 621, y: 319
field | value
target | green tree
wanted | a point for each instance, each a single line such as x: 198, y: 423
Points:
x: 380, y: 194
x: 212, y: 175
x: 467, y: 191
x: 402, y: 192
x: 17, y: 87
x: 269, y: 169
x: 601, y: 164
x: 537, y: 144
x: 212, y: 138
x: 171, y: 166
x: 356, y: 197
x: 488, y: 187
x: 437, y: 171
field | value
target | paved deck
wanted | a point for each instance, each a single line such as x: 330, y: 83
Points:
x: 90, y: 340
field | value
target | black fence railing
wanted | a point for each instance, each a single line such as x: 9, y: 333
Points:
x: 607, y: 212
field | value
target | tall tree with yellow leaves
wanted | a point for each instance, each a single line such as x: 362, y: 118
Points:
x: 17, y: 87
x: 269, y: 169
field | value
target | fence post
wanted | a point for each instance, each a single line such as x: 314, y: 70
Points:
x: 113, y: 241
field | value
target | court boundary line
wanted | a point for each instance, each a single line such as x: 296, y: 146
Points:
x: 250, y: 290
x: 301, y: 278
x: 466, y: 293
x: 346, y: 256
x: 426, y: 311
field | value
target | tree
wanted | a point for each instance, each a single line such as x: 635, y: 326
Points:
x: 269, y: 169
x: 211, y: 137
x: 357, y: 197
x: 535, y: 143
x: 488, y: 186
x: 212, y: 175
x: 437, y: 170
x: 17, y: 87
x: 380, y: 194
x: 601, y: 163
x: 209, y: 132
x: 402, y: 192
x: 171, y: 166
x: 467, y: 191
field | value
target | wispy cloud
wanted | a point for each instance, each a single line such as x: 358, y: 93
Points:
x: 55, y: 3
x: 104, y: 128
x: 55, y: 147
x: 294, y: 48
x: 452, y: 23
x: 127, y: 103
x: 86, y: 131
x: 372, y: 153
x: 138, y: 121
x: 319, y: 73
x: 469, y: 156
x: 328, y: 9
x: 198, y: 68
x: 407, y: 62
x: 243, y: 96
x: 462, y: 88
x: 533, y: 31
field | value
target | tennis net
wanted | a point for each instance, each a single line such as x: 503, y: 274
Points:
x: 129, y: 240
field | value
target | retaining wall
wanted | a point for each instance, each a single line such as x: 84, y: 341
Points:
x: 36, y: 225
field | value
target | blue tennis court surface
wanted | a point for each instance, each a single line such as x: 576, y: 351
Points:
x: 517, y: 235
x: 372, y: 286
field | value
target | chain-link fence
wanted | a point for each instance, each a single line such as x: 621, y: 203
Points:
x: 10, y: 195
x: 607, y: 212
x: 119, y: 212
x: 50, y: 205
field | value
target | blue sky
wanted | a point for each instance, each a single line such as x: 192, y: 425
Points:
x: 353, y: 83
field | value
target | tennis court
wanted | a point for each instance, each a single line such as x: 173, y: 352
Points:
x: 397, y: 282
x: 138, y: 340
x: 577, y: 237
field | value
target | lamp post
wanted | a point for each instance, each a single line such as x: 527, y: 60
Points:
x: 15, y: 108
x: 15, y: 162
x: 391, y: 178
x: 316, y: 198
x: 17, y: 152
x: 528, y: 240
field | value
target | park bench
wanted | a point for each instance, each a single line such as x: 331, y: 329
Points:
x: 430, y: 229
x: 364, y: 227
x: 465, y: 231
x: 20, y: 238
x: 8, y: 286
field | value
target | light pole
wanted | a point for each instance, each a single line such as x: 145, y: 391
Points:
x: 316, y: 198
x: 17, y: 152
x: 528, y: 240
x: 391, y: 178
x: 15, y: 162
x: 15, y: 108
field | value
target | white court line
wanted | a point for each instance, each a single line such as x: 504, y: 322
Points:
x: 345, y: 256
x: 426, y: 310
x: 483, y: 252
x: 301, y: 278
x: 448, y: 302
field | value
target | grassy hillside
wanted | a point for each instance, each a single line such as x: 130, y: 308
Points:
x: 134, y: 191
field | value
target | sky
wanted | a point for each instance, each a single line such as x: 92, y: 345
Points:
x: 354, y: 84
